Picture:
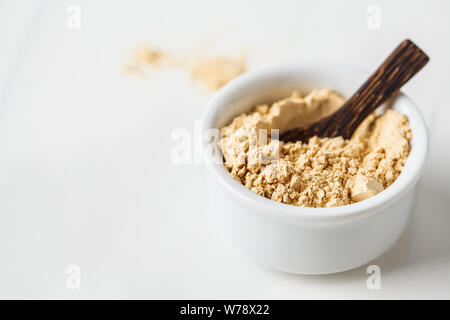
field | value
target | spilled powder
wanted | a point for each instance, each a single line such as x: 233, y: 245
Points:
x: 215, y: 72
x: 211, y: 72
x: 324, y: 172
x: 145, y: 56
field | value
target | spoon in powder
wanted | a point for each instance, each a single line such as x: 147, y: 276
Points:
x: 401, y: 65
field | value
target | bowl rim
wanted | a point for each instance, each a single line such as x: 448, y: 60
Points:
x: 409, y: 176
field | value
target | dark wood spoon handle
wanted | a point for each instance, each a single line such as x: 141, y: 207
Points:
x: 401, y: 65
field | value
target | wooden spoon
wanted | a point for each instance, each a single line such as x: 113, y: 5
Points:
x: 402, y: 64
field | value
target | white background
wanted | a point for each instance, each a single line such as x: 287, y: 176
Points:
x: 86, y: 176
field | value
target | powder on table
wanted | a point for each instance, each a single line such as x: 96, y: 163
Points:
x: 215, y: 72
x: 212, y: 72
x: 324, y: 172
x: 147, y: 56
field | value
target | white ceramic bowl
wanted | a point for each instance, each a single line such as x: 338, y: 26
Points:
x: 307, y: 240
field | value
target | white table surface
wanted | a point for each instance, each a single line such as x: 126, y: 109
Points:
x: 86, y: 176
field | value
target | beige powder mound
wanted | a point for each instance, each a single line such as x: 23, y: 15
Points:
x: 145, y: 56
x: 324, y: 172
x: 214, y: 73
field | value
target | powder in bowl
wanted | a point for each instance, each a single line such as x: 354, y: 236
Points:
x: 324, y: 172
